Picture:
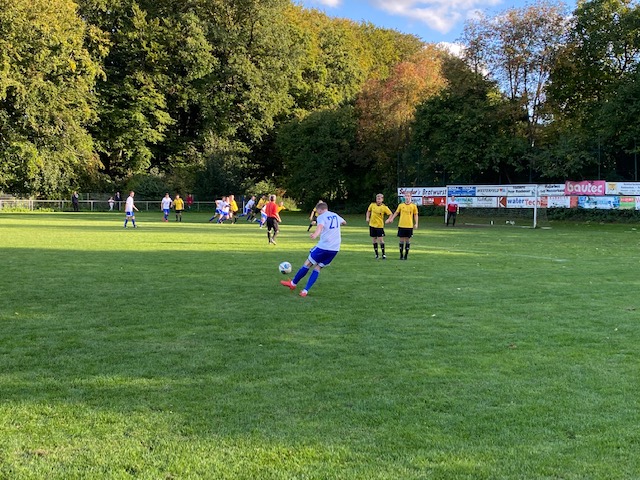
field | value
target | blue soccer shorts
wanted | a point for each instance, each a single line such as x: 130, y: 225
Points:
x: 318, y: 256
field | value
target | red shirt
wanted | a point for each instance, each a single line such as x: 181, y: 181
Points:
x: 271, y: 209
x: 452, y: 207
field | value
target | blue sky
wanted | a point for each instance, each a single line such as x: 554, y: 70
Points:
x: 432, y: 20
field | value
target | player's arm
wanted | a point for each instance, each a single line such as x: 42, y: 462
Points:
x: 392, y: 217
x: 415, y: 220
x: 317, y: 231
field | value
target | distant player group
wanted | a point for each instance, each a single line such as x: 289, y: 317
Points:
x: 328, y: 227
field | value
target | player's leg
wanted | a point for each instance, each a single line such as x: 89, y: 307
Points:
x: 270, y: 227
x: 381, y: 243
x: 312, y: 279
x: 407, y: 246
x: 300, y: 274
x: 321, y: 258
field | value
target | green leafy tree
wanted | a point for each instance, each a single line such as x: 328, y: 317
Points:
x: 466, y: 132
x: 47, y: 79
x: 317, y: 152
x: 386, y: 110
x: 132, y: 103
x: 593, y: 89
x: 516, y: 48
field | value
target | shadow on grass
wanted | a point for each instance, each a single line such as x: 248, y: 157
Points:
x: 213, y: 337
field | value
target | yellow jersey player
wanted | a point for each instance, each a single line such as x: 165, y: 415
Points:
x: 178, y: 205
x: 375, y: 219
x: 408, y: 212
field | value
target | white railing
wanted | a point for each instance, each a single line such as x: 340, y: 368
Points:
x: 91, y: 205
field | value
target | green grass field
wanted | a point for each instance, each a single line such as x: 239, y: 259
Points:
x: 172, y: 352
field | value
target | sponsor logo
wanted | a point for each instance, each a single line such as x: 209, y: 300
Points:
x: 593, y: 188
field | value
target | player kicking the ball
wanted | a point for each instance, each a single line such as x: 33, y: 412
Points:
x: 328, y: 229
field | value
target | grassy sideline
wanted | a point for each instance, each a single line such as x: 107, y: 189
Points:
x: 171, y: 351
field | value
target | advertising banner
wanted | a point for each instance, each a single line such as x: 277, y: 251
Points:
x: 434, y: 201
x: 521, y: 190
x: 559, y: 202
x: 414, y: 191
x: 551, y: 190
x: 461, y: 191
x: 601, y: 203
x: 587, y: 187
x: 623, y: 188
x: 423, y: 191
x: 465, y: 202
x: 522, y: 202
x: 491, y: 190
x: 485, y: 202
x: 434, y: 192
x: 592, y: 194
x: 627, y: 203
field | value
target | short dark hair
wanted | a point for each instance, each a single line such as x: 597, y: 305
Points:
x: 322, y: 206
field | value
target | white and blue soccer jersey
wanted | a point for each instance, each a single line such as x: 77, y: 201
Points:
x: 166, y: 203
x: 128, y: 209
x: 330, y: 235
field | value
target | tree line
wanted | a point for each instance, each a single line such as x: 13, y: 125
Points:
x: 220, y: 96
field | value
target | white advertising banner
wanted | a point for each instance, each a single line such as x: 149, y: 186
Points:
x: 413, y: 191
x: 465, y: 202
x: 491, y: 191
x: 521, y: 190
x: 423, y: 191
x: 559, y: 201
x: 522, y: 202
x: 485, y: 202
x: 551, y: 190
x: 623, y: 188
x: 571, y: 194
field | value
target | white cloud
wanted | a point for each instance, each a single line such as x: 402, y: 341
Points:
x: 329, y: 3
x: 439, y: 15
x: 456, y: 49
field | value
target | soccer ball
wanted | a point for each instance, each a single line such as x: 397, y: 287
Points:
x: 285, y: 267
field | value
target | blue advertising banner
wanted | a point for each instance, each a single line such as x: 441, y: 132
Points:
x: 461, y: 191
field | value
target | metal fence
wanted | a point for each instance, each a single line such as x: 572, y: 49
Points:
x: 91, y: 205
